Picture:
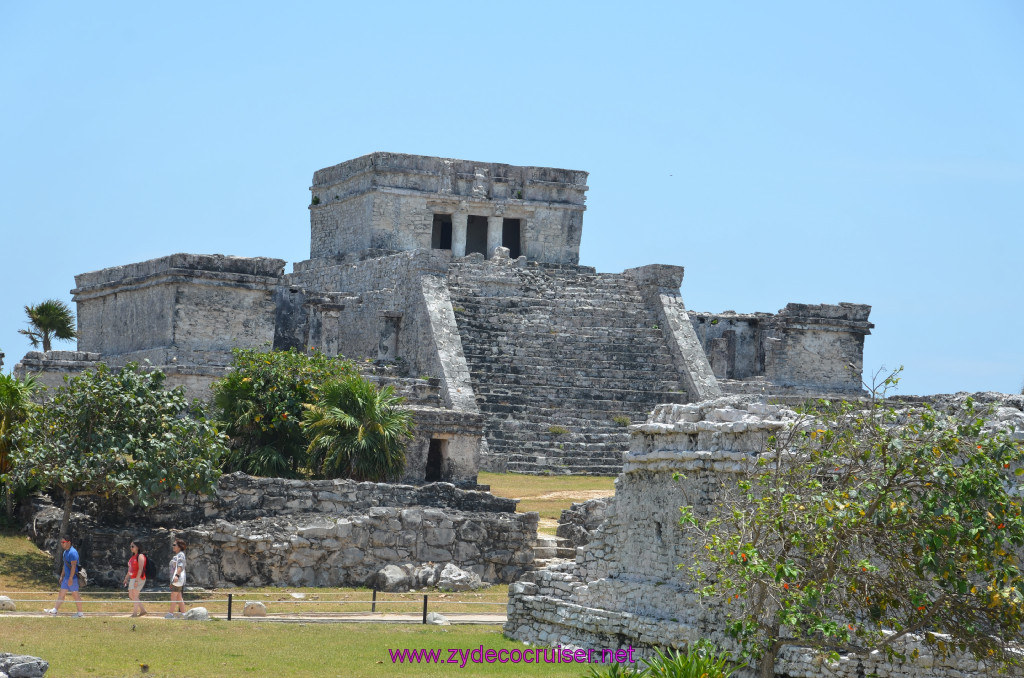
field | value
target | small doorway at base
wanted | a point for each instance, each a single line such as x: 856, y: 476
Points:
x: 435, y: 460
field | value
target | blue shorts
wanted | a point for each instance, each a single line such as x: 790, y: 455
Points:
x: 72, y: 587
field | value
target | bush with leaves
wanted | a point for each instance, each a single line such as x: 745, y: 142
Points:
x: 119, y: 433
x: 260, y: 404
x: 16, y: 407
x: 701, y: 660
x: 861, y: 526
x: 358, y: 431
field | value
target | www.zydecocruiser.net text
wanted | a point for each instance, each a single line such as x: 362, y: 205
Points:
x: 461, y: 657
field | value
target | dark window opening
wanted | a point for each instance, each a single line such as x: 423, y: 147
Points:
x: 510, y: 237
x: 441, y: 235
x: 476, y: 235
x: 435, y: 460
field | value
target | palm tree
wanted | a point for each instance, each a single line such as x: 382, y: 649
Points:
x: 357, y: 431
x: 15, y: 409
x: 52, y: 319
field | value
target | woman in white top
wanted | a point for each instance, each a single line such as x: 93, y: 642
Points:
x: 177, y: 579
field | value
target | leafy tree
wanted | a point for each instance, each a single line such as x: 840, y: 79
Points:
x: 260, y: 404
x: 859, y: 527
x: 120, y: 433
x: 358, y: 431
x: 15, y: 409
x: 51, y: 319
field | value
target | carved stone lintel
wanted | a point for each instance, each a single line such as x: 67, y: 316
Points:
x: 447, y: 172
x: 480, y: 183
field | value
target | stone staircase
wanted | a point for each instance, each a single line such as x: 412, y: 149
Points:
x: 562, y: 359
x: 551, y: 550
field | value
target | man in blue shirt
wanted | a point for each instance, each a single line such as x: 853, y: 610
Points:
x: 68, y: 579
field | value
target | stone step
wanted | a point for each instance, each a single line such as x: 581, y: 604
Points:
x: 547, y: 547
x: 563, y: 347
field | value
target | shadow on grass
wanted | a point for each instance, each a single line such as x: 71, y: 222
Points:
x: 22, y: 565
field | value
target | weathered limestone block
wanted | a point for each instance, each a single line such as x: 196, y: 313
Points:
x: 437, y: 619
x: 7, y: 605
x: 454, y: 578
x: 254, y: 608
x: 22, y: 666
x: 577, y: 522
x: 197, y: 614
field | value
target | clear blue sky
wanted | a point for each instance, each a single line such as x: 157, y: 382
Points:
x: 785, y: 151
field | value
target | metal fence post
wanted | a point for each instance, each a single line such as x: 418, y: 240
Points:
x: 424, y: 608
x: 373, y: 605
x: 229, y: 607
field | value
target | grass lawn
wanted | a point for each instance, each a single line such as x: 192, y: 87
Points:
x: 23, y: 567
x: 547, y: 495
x: 119, y: 647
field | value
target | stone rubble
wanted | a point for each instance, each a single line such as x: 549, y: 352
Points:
x: 264, y: 531
x: 22, y: 666
x: 254, y: 608
x: 437, y: 619
x: 624, y: 587
x: 197, y: 614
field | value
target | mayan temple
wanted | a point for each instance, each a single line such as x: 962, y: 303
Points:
x: 461, y: 280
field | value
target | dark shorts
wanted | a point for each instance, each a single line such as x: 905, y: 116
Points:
x: 175, y: 589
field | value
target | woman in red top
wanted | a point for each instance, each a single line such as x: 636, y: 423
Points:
x: 136, y: 578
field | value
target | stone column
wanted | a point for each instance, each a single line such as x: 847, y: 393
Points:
x: 494, y: 225
x: 459, y: 220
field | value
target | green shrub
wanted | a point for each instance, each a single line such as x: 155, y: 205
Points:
x: 357, y: 431
x: 259, y: 403
x: 612, y: 671
x: 699, y: 661
x: 557, y: 430
x: 622, y: 420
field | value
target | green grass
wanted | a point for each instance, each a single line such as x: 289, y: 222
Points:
x: 118, y: 647
x: 547, y: 495
x: 23, y: 567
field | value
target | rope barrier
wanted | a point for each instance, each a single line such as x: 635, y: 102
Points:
x: 397, y: 599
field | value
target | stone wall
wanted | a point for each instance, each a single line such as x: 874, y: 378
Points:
x: 804, y: 348
x: 387, y: 201
x: 268, y: 531
x: 183, y: 306
x: 52, y: 367
x: 398, y: 301
x: 624, y: 587
x: 243, y: 497
x: 580, y: 520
